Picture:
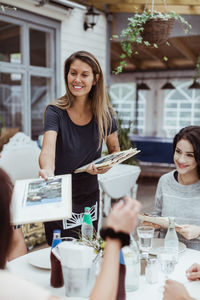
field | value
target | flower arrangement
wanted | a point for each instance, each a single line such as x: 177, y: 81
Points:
x: 96, y: 242
x: 135, y: 32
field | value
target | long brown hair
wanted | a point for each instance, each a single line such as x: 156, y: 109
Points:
x: 192, y: 134
x: 98, y: 96
x: 5, y: 225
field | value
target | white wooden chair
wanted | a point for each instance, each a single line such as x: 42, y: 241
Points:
x: 19, y: 157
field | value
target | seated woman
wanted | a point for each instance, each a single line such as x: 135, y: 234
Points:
x: 178, y: 192
x: 123, y: 218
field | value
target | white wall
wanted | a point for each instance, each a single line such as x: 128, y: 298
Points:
x: 73, y: 36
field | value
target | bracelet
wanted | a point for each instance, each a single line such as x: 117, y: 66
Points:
x: 122, y: 236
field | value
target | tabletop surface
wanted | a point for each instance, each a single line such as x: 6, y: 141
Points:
x: 41, y: 276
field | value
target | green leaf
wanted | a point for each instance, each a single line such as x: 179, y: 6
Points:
x: 123, y: 55
x: 155, y: 45
x: 165, y: 58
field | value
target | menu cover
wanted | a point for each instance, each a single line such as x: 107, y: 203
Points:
x: 110, y: 160
x: 37, y: 200
x: 162, y: 221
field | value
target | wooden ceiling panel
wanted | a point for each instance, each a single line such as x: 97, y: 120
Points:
x: 131, y: 6
x: 181, y: 55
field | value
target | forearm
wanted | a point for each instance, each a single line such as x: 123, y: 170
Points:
x: 47, y: 161
x: 107, y: 281
x: 18, y: 246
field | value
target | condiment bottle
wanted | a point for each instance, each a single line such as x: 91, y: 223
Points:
x: 56, y: 279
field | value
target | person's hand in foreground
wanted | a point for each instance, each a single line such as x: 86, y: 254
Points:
x: 174, y: 290
x: 124, y: 215
x: 123, y: 218
x: 189, y: 231
x: 193, y: 273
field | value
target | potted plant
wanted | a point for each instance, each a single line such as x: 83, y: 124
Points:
x: 149, y: 29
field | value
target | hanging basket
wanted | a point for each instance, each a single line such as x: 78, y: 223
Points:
x: 157, y: 31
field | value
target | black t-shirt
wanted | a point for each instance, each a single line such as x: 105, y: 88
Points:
x: 76, y: 145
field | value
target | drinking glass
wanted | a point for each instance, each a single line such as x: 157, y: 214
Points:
x: 145, y: 235
x: 167, y: 258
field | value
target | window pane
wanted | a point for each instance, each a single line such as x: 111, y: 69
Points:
x: 171, y: 105
x: 171, y: 114
x: 40, y: 95
x: 39, y: 48
x: 185, y: 114
x: 186, y: 105
x: 10, y: 100
x: 10, y: 42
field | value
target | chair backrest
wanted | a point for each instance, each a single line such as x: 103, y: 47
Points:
x: 19, y: 157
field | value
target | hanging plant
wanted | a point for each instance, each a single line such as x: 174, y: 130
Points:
x: 150, y: 29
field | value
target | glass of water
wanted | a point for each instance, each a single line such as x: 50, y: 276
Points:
x: 167, y: 258
x: 145, y: 235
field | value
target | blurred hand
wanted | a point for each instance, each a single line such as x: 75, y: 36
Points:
x: 45, y: 174
x: 193, y: 273
x: 174, y: 290
x: 124, y: 215
x: 189, y: 231
x: 145, y: 223
x: 91, y: 169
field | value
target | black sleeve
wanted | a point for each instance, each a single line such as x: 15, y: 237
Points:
x: 52, y: 118
x: 114, y: 126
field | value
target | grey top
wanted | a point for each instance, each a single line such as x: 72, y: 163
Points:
x: 179, y: 201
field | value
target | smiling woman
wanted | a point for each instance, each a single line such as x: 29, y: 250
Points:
x: 178, y: 192
x: 75, y: 126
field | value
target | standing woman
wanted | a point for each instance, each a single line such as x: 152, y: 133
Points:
x: 178, y: 192
x: 75, y: 126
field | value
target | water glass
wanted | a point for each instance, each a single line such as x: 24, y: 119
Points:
x: 168, y: 258
x: 132, y: 262
x: 151, y: 270
x: 145, y: 235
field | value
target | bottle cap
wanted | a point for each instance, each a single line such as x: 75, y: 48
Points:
x: 57, y: 231
x: 87, y: 208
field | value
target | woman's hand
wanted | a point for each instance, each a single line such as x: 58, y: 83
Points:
x: 193, y: 273
x: 156, y: 226
x: 174, y: 290
x: 189, y: 231
x: 124, y: 215
x: 45, y: 173
x: 91, y: 169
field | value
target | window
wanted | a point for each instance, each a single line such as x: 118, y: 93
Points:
x: 122, y: 97
x: 182, y: 108
x: 29, y: 59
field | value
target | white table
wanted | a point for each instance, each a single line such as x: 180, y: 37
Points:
x: 23, y: 268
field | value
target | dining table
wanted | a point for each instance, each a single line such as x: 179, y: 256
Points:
x: 35, y: 267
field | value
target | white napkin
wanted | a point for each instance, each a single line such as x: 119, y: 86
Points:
x: 74, y: 255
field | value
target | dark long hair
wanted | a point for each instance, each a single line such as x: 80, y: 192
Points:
x: 192, y: 134
x: 5, y: 225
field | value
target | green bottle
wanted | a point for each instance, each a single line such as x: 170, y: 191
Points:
x: 87, y: 226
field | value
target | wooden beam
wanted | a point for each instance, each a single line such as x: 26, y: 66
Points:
x: 181, y: 47
x: 143, y: 2
x: 180, y: 9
